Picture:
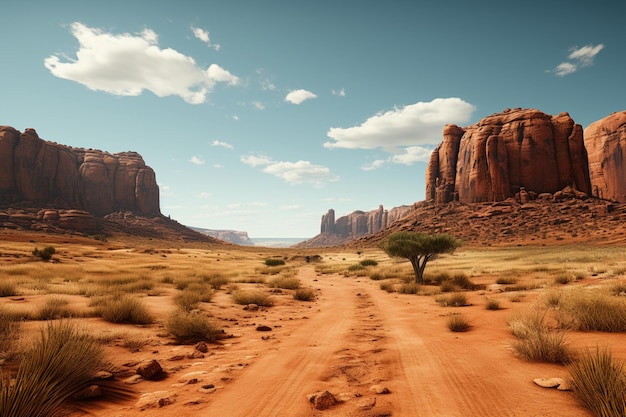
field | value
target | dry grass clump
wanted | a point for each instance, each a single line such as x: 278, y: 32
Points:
x: 458, y: 323
x: 492, y: 304
x: 387, y: 286
x: 600, y: 383
x: 304, y: 294
x: 216, y: 280
x: 54, y: 308
x: 9, y: 331
x: 122, y: 309
x: 191, y: 327
x: 274, y: 262
x: 59, y: 366
x: 506, y: 280
x: 285, y: 282
x: 8, y: 288
x: 455, y: 299
x: 409, y: 288
x: 245, y: 297
x: 593, y: 310
x: 194, y: 294
x: 538, y: 342
x: 368, y: 262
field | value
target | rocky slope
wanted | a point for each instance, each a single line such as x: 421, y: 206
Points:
x: 605, y: 141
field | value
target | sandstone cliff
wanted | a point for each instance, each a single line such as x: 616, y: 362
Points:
x: 606, y: 145
x: 37, y: 173
x: 505, y: 153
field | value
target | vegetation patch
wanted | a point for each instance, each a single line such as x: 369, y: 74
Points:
x: 455, y: 299
x: 190, y: 327
x: 304, y: 294
x: 285, y: 282
x: 274, y: 262
x: 44, y: 254
x: 458, y: 323
x: 245, y: 297
x: 123, y: 309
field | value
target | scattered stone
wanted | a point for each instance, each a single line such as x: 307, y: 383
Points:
x: 565, y: 386
x: 176, y: 358
x: 92, y: 391
x: 207, y: 389
x: 135, y: 379
x: 322, y: 400
x: 103, y: 375
x: 192, y: 375
x: 155, y: 399
x: 263, y: 328
x: 366, y: 404
x: 251, y: 307
x: 548, y: 382
x: 202, y: 347
x: 379, y: 389
x: 151, y: 370
x: 195, y: 355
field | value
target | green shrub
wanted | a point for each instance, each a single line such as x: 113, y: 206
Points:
x: 286, y: 283
x: 245, y: 297
x: 123, y: 309
x: 600, y: 383
x: 304, y: 294
x: 44, y: 254
x: 368, y: 262
x: 274, y: 262
x: 191, y: 327
x: 458, y: 323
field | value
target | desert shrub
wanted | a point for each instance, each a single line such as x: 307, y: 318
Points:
x: 190, y: 327
x: 59, y: 365
x: 492, y: 304
x: 9, y: 331
x: 516, y: 298
x: 619, y: 288
x: 135, y: 343
x: 506, y: 280
x: 376, y: 276
x: 304, y: 294
x: 368, y: 262
x: 54, y: 308
x: 458, y: 323
x: 552, y: 299
x: 409, y: 288
x: 168, y: 279
x: 189, y: 298
x: 123, y: 309
x: 286, y: 283
x: 536, y: 341
x: 455, y: 299
x: 594, y: 311
x: 463, y: 282
x: 562, y: 279
x: 274, y: 262
x: 600, y: 383
x: 436, y: 277
x: 245, y: 297
x: 44, y: 254
x: 355, y: 268
x: 448, y: 286
x: 387, y: 286
x: 216, y: 280
x: 8, y: 289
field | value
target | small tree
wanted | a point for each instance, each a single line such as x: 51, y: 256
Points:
x: 419, y: 248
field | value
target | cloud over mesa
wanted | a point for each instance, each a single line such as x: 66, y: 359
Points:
x: 416, y: 124
x: 127, y: 64
x: 578, y: 58
x: 300, y: 172
x: 299, y: 96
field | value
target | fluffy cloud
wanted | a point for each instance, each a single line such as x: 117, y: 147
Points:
x: 203, y: 35
x: 298, y: 96
x: 222, y: 144
x: 413, y: 125
x: 196, y: 160
x: 578, y: 58
x: 127, y: 64
x: 340, y: 93
x: 300, y: 172
x: 409, y: 156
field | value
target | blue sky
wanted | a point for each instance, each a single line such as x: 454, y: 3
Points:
x: 260, y: 116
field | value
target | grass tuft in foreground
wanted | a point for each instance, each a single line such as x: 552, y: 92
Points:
x: 190, y: 327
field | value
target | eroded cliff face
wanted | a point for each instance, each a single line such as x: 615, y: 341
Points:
x: 605, y: 141
x: 505, y: 153
x: 37, y: 173
x: 359, y: 223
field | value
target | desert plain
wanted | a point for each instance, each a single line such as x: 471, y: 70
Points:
x: 363, y: 341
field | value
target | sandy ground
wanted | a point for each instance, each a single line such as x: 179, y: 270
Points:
x: 354, y: 341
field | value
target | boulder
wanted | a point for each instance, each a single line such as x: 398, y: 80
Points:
x: 505, y: 153
x: 605, y: 141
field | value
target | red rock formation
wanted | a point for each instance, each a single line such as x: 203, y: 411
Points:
x: 606, y: 144
x: 519, y: 149
x: 37, y: 173
x: 359, y: 223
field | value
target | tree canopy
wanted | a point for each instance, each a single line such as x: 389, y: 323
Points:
x: 419, y: 248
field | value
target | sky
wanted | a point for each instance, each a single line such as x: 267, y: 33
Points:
x: 260, y: 116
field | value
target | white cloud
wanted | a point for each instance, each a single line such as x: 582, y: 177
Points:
x: 258, y: 105
x: 196, y: 160
x: 578, y: 58
x: 222, y: 144
x: 291, y: 207
x: 165, y: 190
x: 203, y: 35
x: 340, y: 93
x: 411, y: 155
x: 416, y: 124
x: 300, y: 172
x: 127, y: 64
x: 218, y: 166
x: 298, y: 96
x: 205, y: 194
